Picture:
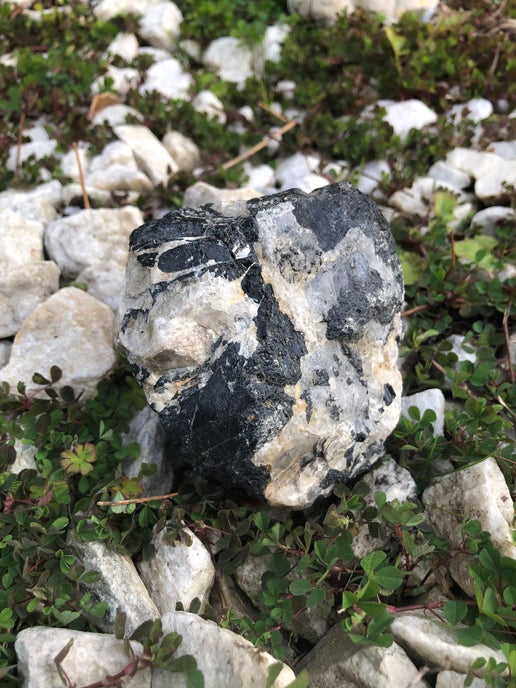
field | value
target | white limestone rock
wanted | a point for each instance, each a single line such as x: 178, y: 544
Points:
x: 115, y: 153
x: 452, y: 679
x: 161, y: 25
x: 429, y: 399
x: 226, y: 659
x: 323, y: 10
x: 119, y: 585
x: 168, y: 78
x: 107, y: 9
x: 337, y: 661
x: 104, y: 281
x: 114, y: 115
x: 270, y: 48
x: 37, y: 150
x: 22, y: 289
x: 201, y: 193
x: 311, y: 623
x: 119, y: 178
x: 493, y: 174
x: 123, y: 80
x: 505, y: 149
x: 476, y: 492
x: 264, y: 333
x: 21, y: 241
x: 146, y: 430
x: 25, y: 457
x: 5, y: 352
x: 230, y: 59
x: 475, y: 110
x: 125, y: 45
x: 90, y: 238
x: 259, y: 177
x: 178, y: 572
x: 50, y: 192
x: 406, y: 115
x: 488, y: 218
x: 299, y: 171
x: 90, y: 659
x: 425, y: 637
x: 184, y: 151
x: 397, y: 484
x: 151, y: 155
x: 443, y: 172
x: 208, y: 104
x: 371, y: 174
x: 70, y: 329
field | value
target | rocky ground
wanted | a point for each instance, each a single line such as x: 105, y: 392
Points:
x: 72, y: 198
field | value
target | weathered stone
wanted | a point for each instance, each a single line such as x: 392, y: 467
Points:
x: 184, y: 151
x: 207, y: 103
x: 168, y: 78
x: 146, y: 430
x: 201, y: 193
x: 91, y: 657
x: 22, y: 289
x: 407, y: 115
x: 178, y: 572
x: 70, y: 329
x: 119, y: 585
x: 480, y: 492
x: 325, y: 10
x: 428, y: 639
x: 429, y: 399
x: 160, y: 25
x: 311, y: 623
x: 230, y: 58
x: 226, y: 659
x: 265, y: 338
x: 151, y: 155
x: 452, y: 679
x: 91, y: 237
x: 21, y: 241
x: 338, y: 662
x: 397, y: 484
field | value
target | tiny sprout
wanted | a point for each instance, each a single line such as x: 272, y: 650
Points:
x: 79, y: 459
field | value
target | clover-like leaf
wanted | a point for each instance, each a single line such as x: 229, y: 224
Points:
x: 79, y: 459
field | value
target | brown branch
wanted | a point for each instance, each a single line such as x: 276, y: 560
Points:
x: 259, y: 146
x: 138, y: 500
x: 272, y: 112
x: 416, y: 309
x: 505, y: 322
x: 18, y: 148
x: 85, y: 198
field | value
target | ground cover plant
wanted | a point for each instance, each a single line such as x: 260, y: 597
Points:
x: 457, y: 282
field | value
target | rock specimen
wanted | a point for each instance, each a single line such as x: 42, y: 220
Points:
x: 264, y: 334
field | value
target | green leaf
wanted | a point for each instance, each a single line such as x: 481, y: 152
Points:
x: 302, y: 680
x: 472, y: 635
x: 315, y: 598
x: 412, y: 266
x: 300, y: 586
x: 372, y: 561
x: 273, y: 673
x: 389, y: 578
x: 454, y: 611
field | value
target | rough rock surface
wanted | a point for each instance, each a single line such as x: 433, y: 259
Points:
x: 480, y: 492
x: 226, y: 659
x: 338, y: 662
x: 72, y: 330
x: 265, y: 337
x: 91, y: 658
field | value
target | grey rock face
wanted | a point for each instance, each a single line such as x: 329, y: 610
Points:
x: 264, y: 335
